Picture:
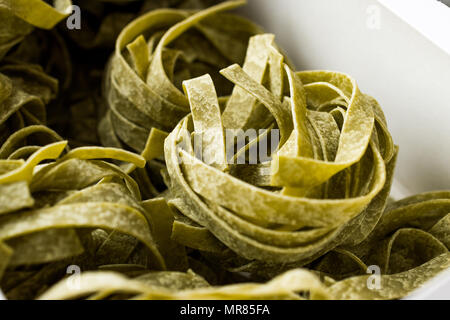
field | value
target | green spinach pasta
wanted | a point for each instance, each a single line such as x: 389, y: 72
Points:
x: 194, y: 162
x: 143, y: 77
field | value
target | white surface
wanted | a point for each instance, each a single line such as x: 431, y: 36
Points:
x: 429, y: 17
x: 390, y: 60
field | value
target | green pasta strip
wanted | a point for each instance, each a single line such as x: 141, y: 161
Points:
x: 298, y: 102
x: 162, y: 216
x: 441, y: 230
x: 5, y: 255
x: 155, y: 144
x: 196, y: 237
x: 140, y: 56
x: 34, y: 248
x: 207, y: 120
x: 15, y: 196
x: 25, y: 172
x: 237, y: 113
x: 353, y: 141
x: 112, y: 153
x: 58, y: 176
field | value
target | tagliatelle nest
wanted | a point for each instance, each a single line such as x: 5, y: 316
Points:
x: 143, y: 78
x: 277, y: 180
